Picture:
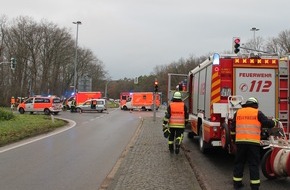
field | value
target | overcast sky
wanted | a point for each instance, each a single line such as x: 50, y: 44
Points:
x: 131, y: 37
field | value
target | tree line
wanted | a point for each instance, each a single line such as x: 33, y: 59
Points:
x: 45, y: 55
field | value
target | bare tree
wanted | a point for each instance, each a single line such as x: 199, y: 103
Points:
x: 45, y: 59
x: 280, y: 44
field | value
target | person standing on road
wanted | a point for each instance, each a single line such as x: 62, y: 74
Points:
x: 247, y: 123
x: 73, y: 105
x: 176, y: 117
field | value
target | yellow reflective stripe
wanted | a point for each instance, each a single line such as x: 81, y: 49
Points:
x: 170, y: 142
x: 167, y: 131
x: 237, y: 179
x: 165, y: 119
x: 257, y: 181
x: 176, y: 126
x: 246, y: 140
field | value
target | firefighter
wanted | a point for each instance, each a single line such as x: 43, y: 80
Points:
x: 247, y: 124
x: 12, y: 103
x: 176, y: 118
x: 73, y: 105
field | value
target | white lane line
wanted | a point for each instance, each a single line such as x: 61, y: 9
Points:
x: 37, y: 138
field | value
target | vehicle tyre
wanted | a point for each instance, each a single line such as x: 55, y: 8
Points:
x: 225, y: 137
x: 190, y: 135
x: 55, y: 113
x: 203, y: 146
x: 79, y: 110
x: 266, y: 166
x: 46, y: 111
x: 21, y: 111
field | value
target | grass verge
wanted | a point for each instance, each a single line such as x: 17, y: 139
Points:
x: 25, y: 126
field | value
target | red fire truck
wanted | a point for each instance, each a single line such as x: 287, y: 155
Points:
x: 81, y: 97
x: 218, y: 86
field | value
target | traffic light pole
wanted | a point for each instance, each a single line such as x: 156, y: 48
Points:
x: 4, y: 63
x: 154, y: 106
x: 12, y: 63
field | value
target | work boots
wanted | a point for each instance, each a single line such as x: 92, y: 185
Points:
x: 177, y: 147
x: 177, y: 144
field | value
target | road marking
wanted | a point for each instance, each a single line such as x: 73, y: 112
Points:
x: 12, y: 146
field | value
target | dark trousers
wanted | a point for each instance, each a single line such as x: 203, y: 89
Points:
x: 250, y: 154
x: 175, y: 133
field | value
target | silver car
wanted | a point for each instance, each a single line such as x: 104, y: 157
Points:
x: 98, y: 105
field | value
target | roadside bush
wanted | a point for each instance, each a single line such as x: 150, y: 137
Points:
x: 5, y: 115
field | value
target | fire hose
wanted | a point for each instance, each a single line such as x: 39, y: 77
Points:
x: 276, y: 161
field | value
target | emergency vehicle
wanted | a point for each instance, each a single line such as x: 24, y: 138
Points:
x: 123, y: 98
x: 218, y: 86
x: 48, y: 105
x: 98, y: 105
x: 81, y: 97
x: 142, y: 101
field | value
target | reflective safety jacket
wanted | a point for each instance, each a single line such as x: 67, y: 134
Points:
x: 12, y: 100
x: 248, y: 127
x: 177, y: 119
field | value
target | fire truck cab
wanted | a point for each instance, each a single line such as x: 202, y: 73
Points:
x: 219, y: 85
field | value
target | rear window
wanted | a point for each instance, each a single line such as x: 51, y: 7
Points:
x: 41, y: 100
x: 56, y: 100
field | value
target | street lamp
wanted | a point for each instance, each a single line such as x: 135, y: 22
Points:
x: 76, y: 55
x: 254, y: 29
x: 106, y: 89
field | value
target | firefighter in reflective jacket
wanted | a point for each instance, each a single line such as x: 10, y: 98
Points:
x: 176, y: 118
x: 12, y: 103
x: 247, y: 123
x: 73, y: 105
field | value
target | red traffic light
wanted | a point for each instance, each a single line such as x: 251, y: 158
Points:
x: 237, y: 40
x: 236, y: 45
x: 155, y: 86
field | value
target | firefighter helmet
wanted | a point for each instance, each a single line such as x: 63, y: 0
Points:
x: 252, y: 101
x: 177, y: 95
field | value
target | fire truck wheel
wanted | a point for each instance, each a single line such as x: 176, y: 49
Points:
x: 225, y: 137
x: 203, y: 146
x: 266, y: 165
x: 190, y: 135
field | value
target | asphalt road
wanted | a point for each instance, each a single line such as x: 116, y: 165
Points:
x: 214, y: 169
x: 78, y: 158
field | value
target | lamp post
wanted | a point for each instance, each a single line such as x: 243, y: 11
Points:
x: 254, y: 29
x: 76, y: 55
x: 106, y: 89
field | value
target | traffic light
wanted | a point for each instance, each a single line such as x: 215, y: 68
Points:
x: 156, y: 86
x: 236, y: 44
x: 13, y: 63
